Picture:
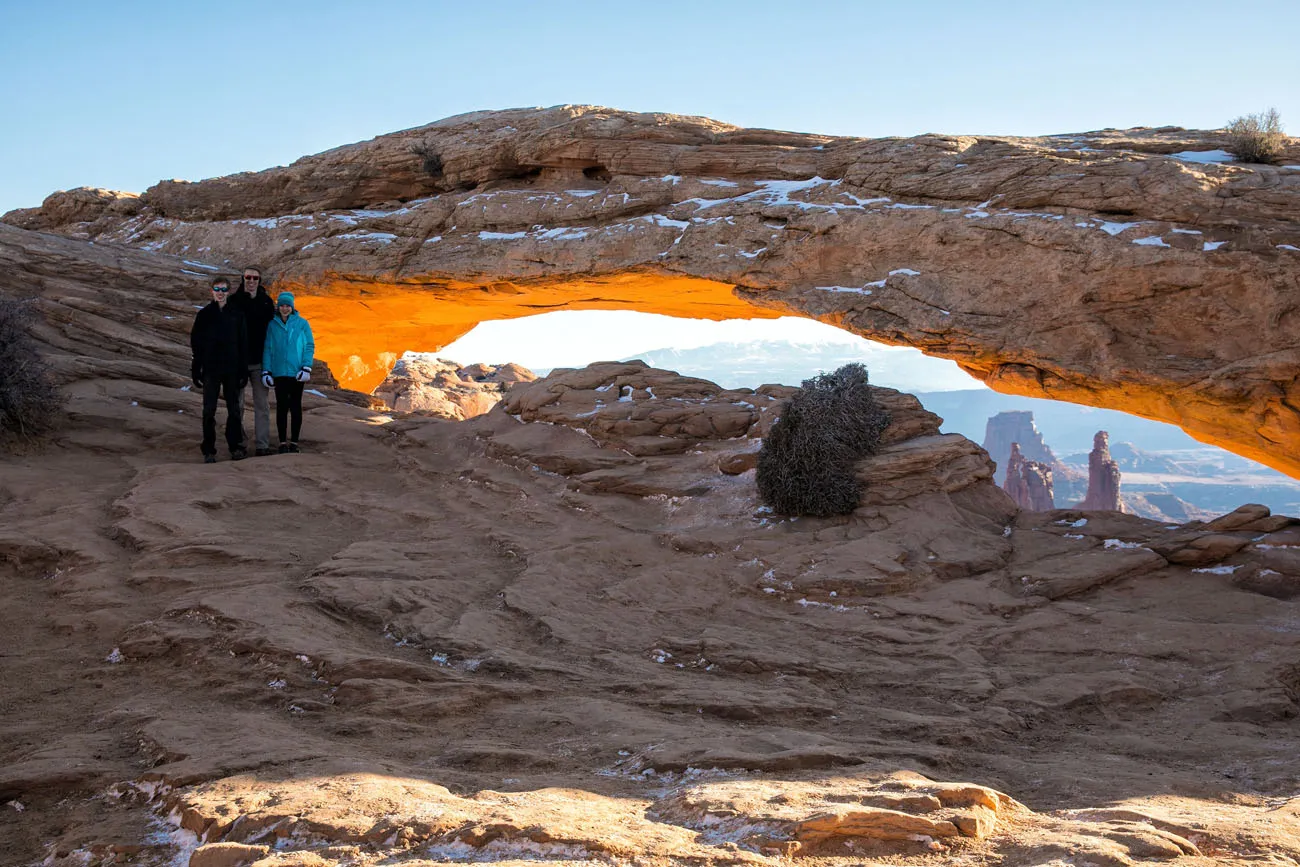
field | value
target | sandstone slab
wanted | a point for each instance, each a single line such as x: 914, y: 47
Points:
x: 500, y: 664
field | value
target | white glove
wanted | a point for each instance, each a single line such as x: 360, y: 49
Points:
x: 304, y: 375
x: 268, y: 380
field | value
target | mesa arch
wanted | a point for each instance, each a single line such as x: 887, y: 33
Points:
x: 362, y: 328
x: 1116, y: 269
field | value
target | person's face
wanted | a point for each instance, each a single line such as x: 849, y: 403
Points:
x: 219, y: 293
x: 251, y: 280
x: 284, y: 310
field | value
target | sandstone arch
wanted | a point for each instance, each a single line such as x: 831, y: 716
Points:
x: 367, y: 325
x: 1097, y: 268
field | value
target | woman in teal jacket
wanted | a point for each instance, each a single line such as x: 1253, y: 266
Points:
x: 286, y: 366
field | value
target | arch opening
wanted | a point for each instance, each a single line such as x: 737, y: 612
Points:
x: 364, y: 328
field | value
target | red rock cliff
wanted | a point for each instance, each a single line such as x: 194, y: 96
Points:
x: 1029, y: 483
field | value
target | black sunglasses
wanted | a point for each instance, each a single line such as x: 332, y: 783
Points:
x: 220, y: 288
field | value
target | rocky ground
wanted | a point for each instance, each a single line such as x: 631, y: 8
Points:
x: 442, y: 388
x: 567, y: 630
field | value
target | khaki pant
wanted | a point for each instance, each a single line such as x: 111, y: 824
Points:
x: 261, y: 408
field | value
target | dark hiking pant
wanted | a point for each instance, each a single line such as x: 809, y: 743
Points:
x: 217, y: 387
x: 288, y: 404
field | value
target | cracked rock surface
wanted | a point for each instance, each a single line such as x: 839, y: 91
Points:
x: 561, y: 631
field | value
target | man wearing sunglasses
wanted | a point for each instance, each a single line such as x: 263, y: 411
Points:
x: 253, y: 299
x: 219, y: 367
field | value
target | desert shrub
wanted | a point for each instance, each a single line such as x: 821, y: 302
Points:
x: 807, y: 463
x: 1257, y: 138
x: 430, y: 159
x: 29, y: 401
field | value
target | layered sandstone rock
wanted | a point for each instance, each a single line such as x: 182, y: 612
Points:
x: 704, y: 817
x: 1025, y: 260
x: 1029, y: 483
x: 511, y: 639
x: 76, y: 206
x: 446, y: 389
x: 1103, y: 477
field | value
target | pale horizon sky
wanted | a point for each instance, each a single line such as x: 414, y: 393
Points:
x: 575, y: 338
x: 122, y: 95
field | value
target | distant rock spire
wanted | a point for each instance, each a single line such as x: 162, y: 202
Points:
x: 1015, y: 426
x: 1029, y: 483
x: 1103, y: 477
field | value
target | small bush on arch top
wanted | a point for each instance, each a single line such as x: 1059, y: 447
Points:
x: 1257, y: 138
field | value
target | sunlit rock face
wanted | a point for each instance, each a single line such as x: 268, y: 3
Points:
x: 362, y: 327
x: 1117, y: 269
x: 445, y: 389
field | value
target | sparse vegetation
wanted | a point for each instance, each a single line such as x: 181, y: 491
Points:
x: 1257, y: 138
x: 30, y: 404
x: 808, y: 460
x: 430, y: 159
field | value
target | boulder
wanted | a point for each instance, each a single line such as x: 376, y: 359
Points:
x: 227, y: 855
x: 1205, y: 550
x: 445, y: 389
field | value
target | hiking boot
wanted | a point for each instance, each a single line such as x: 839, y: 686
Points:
x: 284, y: 448
x: 238, y: 455
x: 261, y: 453
x: 293, y: 448
x: 209, y: 459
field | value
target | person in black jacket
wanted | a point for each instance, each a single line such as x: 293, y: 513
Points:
x: 252, y: 298
x: 219, y: 343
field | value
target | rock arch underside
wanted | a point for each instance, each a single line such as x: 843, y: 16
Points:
x: 566, y: 629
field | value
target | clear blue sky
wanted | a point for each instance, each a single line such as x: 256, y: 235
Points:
x: 122, y: 94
